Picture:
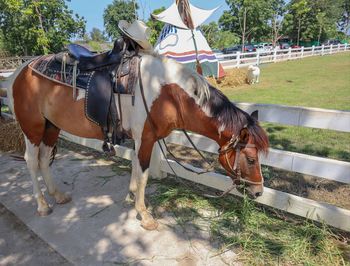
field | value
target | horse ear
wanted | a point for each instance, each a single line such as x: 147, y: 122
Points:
x: 244, y: 135
x: 255, y: 115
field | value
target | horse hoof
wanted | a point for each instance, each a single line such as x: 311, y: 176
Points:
x: 150, y: 225
x: 63, y: 199
x: 45, y: 212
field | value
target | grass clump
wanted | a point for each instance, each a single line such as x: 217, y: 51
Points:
x: 259, y: 236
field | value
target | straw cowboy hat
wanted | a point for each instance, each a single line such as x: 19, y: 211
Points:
x: 137, y: 31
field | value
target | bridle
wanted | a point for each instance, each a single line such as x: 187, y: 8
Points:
x: 235, y: 171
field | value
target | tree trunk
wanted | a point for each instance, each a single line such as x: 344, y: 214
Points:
x: 41, y: 26
x: 244, y: 28
x: 319, y: 35
x: 299, y: 25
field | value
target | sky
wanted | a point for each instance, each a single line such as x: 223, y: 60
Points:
x: 93, y: 11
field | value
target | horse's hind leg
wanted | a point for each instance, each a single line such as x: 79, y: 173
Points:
x: 45, y: 153
x: 31, y: 156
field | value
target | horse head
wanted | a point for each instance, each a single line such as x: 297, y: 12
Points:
x: 239, y: 156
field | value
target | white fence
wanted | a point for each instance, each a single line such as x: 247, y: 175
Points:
x: 291, y: 161
x: 261, y: 57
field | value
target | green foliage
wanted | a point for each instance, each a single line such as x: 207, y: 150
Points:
x: 97, y: 35
x: 256, y: 13
x: 219, y: 39
x: 32, y: 27
x: 118, y: 10
x: 155, y: 26
x: 313, y: 20
x: 299, y: 20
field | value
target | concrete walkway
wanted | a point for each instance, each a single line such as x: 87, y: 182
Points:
x: 97, y: 228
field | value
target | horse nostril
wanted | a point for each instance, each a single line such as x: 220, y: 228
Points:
x: 258, y: 194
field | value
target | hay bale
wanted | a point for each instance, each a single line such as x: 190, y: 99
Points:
x: 11, y: 136
x: 233, y: 78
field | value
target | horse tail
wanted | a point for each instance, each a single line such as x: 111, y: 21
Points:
x: 8, y: 84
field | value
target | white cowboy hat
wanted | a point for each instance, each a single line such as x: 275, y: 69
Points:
x: 137, y: 31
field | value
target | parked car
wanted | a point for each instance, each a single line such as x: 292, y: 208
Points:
x: 264, y: 48
x: 329, y: 42
x: 248, y: 48
x: 232, y: 50
x: 295, y: 46
x: 284, y: 45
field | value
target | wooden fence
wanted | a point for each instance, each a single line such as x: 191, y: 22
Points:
x: 261, y: 57
x: 9, y: 64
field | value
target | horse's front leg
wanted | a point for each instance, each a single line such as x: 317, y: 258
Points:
x: 139, y: 181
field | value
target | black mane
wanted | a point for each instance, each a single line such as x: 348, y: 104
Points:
x: 234, y: 119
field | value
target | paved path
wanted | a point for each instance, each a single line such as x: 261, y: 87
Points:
x: 20, y: 246
x: 97, y: 228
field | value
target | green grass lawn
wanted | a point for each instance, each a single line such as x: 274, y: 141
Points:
x: 322, y: 82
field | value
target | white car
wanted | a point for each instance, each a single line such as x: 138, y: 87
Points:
x: 264, y: 48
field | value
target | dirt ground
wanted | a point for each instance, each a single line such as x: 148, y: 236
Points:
x: 20, y: 246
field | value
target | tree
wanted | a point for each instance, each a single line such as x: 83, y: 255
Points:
x: 37, y: 26
x: 210, y: 32
x: 313, y: 20
x: 118, y: 10
x: 225, y: 39
x: 156, y: 26
x: 218, y: 38
x: 247, y: 18
x: 277, y: 12
x: 97, y: 35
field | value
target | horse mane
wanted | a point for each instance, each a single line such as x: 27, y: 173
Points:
x: 230, y: 117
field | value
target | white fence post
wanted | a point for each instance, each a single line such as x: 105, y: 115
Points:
x: 275, y: 55
x: 238, y: 58
x: 346, y: 46
x: 155, y: 164
x: 302, y: 51
x: 258, y: 58
x: 322, y: 50
x: 338, y: 47
x: 331, y: 49
x: 289, y: 52
x: 313, y: 50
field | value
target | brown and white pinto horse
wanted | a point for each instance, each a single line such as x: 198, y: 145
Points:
x: 177, y: 98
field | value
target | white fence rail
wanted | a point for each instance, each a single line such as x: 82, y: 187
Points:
x: 291, y: 161
x: 239, y: 59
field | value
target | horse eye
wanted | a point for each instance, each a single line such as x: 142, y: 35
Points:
x: 250, y: 160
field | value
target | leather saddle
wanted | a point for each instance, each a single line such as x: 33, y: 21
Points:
x: 90, y: 61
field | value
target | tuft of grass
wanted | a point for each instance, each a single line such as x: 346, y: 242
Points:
x: 259, y: 236
x: 5, y: 109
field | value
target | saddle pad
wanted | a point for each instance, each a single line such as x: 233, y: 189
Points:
x: 99, y: 99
